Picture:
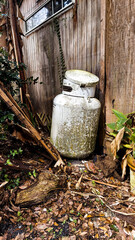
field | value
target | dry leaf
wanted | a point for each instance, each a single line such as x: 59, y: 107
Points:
x: 3, y: 21
x: 119, y: 137
x: 41, y: 226
x: 83, y: 233
x: 123, y: 166
x: 69, y: 185
x: 25, y: 185
x: 3, y: 184
x: 4, y: 237
x: 90, y: 166
x: 90, y: 224
x: 78, y: 183
x: 115, y: 145
x: 56, y: 224
x: 66, y: 238
x: 79, y: 207
x: 59, y: 163
x: 19, y: 236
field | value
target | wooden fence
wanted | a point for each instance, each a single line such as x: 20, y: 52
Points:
x: 80, y: 40
x: 91, y: 31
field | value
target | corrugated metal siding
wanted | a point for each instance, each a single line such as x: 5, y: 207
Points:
x: 80, y: 37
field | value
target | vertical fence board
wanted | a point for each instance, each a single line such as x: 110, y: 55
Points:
x: 120, y: 57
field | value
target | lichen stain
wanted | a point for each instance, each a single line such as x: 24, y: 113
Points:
x: 77, y: 139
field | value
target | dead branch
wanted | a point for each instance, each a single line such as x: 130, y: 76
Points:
x: 15, y: 167
x: 37, y: 192
x: 103, y: 183
x: 11, y: 103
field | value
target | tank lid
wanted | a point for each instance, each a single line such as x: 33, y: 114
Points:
x: 83, y: 78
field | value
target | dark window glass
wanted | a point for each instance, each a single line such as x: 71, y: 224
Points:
x: 66, y: 2
x: 39, y: 17
x: 57, y: 5
x: 48, y: 8
x: 45, y: 12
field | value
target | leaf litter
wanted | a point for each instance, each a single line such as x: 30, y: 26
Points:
x: 89, y: 206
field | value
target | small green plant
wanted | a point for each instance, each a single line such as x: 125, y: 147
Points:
x: 33, y: 174
x: 123, y: 132
x: 114, y: 227
x: 12, y: 182
x: 127, y: 123
x: 18, y: 214
x: 9, y: 74
x: 31, y: 227
x: 12, y: 154
x: 10, y: 78
x: 64, y: 221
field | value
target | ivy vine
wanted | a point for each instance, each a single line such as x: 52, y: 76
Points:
x: 61, y: 63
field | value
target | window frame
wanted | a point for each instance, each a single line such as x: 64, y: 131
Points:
x: 53, y: 15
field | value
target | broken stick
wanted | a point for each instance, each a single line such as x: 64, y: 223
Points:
x: 11, y: 103
x: 37, y: 192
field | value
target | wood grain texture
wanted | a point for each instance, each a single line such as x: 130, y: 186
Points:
x: 120, y: 57
x: 80, y: 38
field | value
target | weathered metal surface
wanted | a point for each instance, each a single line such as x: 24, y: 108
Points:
x: 76, y: 115
x: 75, y: 124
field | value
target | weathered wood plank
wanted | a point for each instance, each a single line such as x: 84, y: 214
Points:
x: 120, y: 58
x: 88, y: 36
x: 94, y: 34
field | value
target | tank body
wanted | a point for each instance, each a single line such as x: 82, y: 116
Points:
x: 74, y: 125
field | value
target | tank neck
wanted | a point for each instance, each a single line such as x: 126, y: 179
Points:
x: 73, y: 89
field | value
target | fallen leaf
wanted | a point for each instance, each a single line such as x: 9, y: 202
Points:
x: 84, y: 226
x: 115, y: 145
x: 69, y: 185
x: 103, y: 228
x: 4, y: 237
x: 78, y: 183
x: 90, y: 166
x: 79, y: 207
x: 41, y: 226
x: 90, y: 224
x: 56, y: 224
x: 83, y: 233
x: 3, y: 184
x: 123, y: 167
x: 59, y: 163
x: 25, y: 185
x: 97, y: 236
x: 65, y: 238
x: 89, y: 216
x: 19, y: 236
x: 65, y: 218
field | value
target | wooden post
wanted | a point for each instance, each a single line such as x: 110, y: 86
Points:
x: 16, y: 43
x: 102, y: 73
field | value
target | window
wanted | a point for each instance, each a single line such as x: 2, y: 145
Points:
x: 50, y: 9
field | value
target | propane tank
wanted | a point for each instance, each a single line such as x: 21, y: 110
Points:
x: 76, y: 115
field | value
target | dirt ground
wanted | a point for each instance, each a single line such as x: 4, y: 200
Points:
x: 86, y: 205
